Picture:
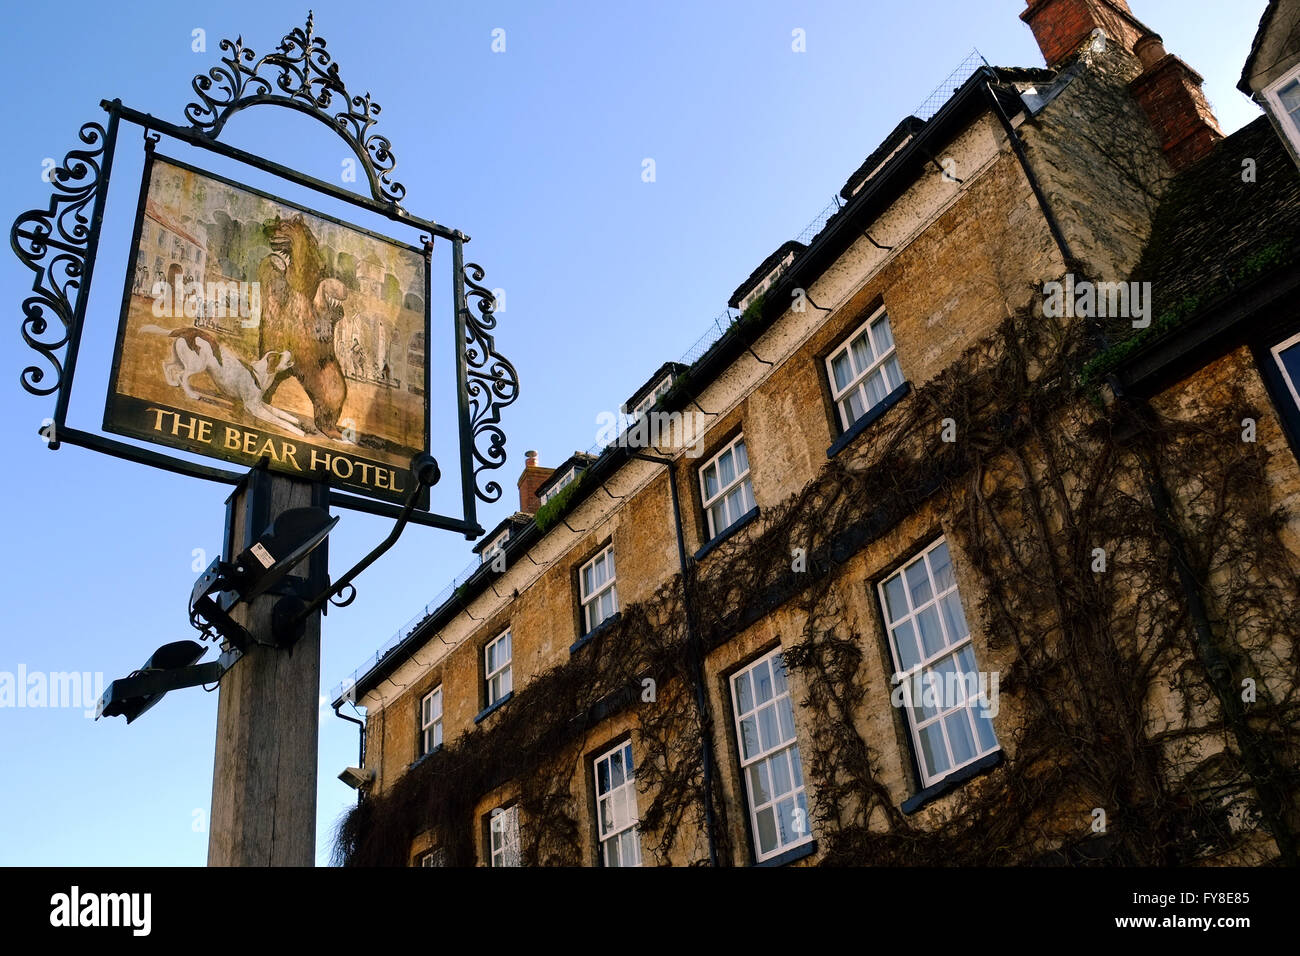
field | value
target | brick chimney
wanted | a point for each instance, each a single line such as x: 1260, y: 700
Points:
x: 1168, y: 90
x: 1062, y: 27
x: 529, y: 481
x: 1170, y: 93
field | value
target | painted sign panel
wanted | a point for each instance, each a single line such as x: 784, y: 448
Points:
x: 254, y: 328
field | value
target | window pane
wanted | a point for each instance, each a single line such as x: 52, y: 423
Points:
x: 905, y: 645
x: 628, y: 849
x: 842, y: 371
x: 749, y: 737
x: 744, y: 699
x: 781, y: 775
x: 766, y: 831
x: 742, y: 458
x: 718, y: 515
x: 786, y: 714
x: 710, y: 481
x: 505, y: 681
x: 611, y: 854
x: 762, y: 682
x: 779, y: 683
x: 941, y: 567
x: 1290, y: 96
x: 616, y: 769
x: 767, y: 729
x: 862, y: 356
x: 893, y: 373
x: 927, y: 692
x: 785, y: 820
x: 795, y: 766
x: 747, y: 496
x: 883, y: 335
x: 876, y: 389
x: 627, y: 761
x: 726, y: 469
x: 854, y: 406
x: 953, y: 616
x: 984, y: 728
x: 491, y: 658
x: 759, y: 790
x: 895, y: 599
x: 918, y: 584
x: 960, y: 737
x: 949, y: 686
x: 932, y: 750
x: 927, y: 623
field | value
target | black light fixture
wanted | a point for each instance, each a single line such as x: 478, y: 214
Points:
x: 170, y: 667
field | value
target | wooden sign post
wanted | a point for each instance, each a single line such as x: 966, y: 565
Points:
x: 264, y: 773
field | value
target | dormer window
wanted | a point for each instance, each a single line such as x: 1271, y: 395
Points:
x: 559, y: 486
x: 494, y: 547
x: 768, y: 279
x: 656, y: 393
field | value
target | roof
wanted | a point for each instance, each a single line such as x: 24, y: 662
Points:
x: 764, y: 267
x: 1265, y: 22
x: 904, y: 131
x: 1211, y: 221
x: 1218, y: 246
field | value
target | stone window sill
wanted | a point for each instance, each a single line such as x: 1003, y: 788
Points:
x: 790, y: 855
x: 867, y: 420
x: 747, y: 518
x: 952, y: 782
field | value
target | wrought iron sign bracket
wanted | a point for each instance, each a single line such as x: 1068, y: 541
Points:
x: 59, y: 243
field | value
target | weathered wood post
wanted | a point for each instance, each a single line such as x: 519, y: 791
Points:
x: 264, y: 774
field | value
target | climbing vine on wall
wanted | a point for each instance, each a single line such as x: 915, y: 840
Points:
x: 1132, y: 579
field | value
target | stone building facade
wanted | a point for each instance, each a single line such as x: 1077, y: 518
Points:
x: 922, y: 568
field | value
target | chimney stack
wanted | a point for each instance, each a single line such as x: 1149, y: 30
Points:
x: 1168, y: 90
x: 1062, y: 27
x: 529, y: 481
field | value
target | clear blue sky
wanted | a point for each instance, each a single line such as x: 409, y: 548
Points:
x: 537, y: 154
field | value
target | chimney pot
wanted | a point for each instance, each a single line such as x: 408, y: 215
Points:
x: 1150, y: 50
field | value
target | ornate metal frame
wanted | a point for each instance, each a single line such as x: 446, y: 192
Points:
x: 59, y: 244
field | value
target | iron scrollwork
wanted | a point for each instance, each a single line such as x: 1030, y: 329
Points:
x: 53, y: 243
x: 308, y: 80
x: 491, y: 383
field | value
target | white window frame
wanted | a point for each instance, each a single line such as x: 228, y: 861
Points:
x: 503, y: 670
x: 1290, y: 124
x: 928, y: 665
x: 434, y: 857
x: 619, y: 804
x: 503, y: 836
x: 881, y: 359
x: 1276, y: 351
x: 759, y: 763
x: 591, y: 602
x: 741, y: 479
x: 431, y: 721
x: 492, y: 547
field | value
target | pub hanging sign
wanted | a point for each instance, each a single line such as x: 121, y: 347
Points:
x: 255, y: 329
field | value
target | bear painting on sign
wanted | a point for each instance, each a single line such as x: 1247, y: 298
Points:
x: 252, y: 328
